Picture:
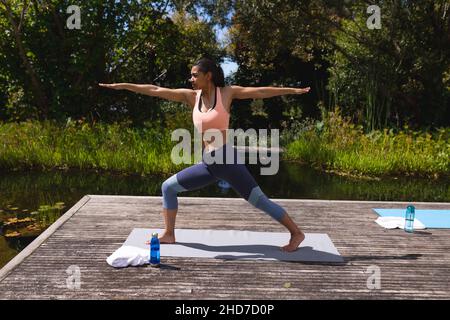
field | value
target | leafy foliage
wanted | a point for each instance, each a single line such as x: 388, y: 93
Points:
x: 397, y: 75
x: 58, y: 73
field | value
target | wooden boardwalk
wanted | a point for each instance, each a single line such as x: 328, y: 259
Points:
x: 411, y: 266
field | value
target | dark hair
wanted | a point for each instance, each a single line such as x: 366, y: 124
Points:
x: 208, y: 65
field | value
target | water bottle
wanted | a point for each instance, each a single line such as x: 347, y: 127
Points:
x: 154, y: 251
x: 409, y: 219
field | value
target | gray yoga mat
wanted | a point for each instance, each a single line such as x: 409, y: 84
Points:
x: 235, y: 244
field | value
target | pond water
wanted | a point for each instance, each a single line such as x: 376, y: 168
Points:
x: 31, y: 201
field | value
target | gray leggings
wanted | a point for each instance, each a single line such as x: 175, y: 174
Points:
x: 236, y: 174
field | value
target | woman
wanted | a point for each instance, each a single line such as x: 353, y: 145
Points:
x: 211, y: 101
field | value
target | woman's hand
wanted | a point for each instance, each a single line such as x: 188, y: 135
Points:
x: 302, y: 90
x: 115, y: 86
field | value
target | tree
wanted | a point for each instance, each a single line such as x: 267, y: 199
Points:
x: 396, y: 75
x: 16, y: 14
x: 51, y: 71
x: 388, y: 77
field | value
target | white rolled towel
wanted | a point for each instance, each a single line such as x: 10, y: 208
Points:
x: 397, y: 222
x: 128, y: 256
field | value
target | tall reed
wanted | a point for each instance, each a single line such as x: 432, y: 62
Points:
x: 343, y: 147
x: 112, y: 147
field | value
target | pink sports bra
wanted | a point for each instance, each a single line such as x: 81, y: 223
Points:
x: 215, y: 118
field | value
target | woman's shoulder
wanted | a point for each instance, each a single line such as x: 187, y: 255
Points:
x: 196, y: 94
x: 226, y: 91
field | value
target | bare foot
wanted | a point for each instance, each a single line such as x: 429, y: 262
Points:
x: 165, y: 238
x: 296, y: 239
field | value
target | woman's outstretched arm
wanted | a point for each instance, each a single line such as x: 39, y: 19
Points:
x: 179, y: 95
x: 264, y: 92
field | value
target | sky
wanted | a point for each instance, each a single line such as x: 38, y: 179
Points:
x: 228, y: 66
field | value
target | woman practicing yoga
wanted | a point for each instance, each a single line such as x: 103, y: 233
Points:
x: 211, y: 101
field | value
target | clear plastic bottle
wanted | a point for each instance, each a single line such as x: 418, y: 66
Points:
x: 409, y: 218
x: 154, y: 251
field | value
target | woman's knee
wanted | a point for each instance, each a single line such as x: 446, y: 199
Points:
x: 165, y: 187
x: 171, y: 186
x: 170, y: 189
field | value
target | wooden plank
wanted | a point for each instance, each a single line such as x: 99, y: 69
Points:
x: 412, y: 266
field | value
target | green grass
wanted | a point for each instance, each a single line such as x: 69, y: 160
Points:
x: 342, y: 147
x: 113, y: 147
x: 334, y: 144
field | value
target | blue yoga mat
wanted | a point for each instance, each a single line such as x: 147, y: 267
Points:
x: 438, y: 219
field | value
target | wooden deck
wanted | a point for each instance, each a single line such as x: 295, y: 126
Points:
x: 413, y: 266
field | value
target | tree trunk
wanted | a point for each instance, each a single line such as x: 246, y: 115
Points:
x: 36, y: 85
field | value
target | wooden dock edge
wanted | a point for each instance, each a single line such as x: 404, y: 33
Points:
x: 276, y: 199
x: 28, y: 250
